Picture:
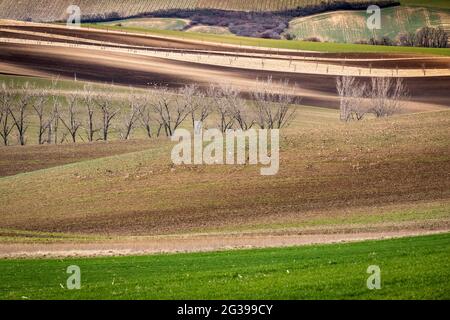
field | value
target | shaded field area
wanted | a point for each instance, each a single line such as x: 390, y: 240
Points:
x: 411, y: 268
x: 15, y: 160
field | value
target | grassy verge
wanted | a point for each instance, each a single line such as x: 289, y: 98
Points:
x: 411, y: 268
x: 277, y: 44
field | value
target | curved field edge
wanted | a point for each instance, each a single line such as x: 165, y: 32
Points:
x: 277, y: 44
x: 411, y: 268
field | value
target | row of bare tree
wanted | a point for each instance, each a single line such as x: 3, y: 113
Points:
x: 425, y: 37
x: 382, y: 97
x: 90, y: 115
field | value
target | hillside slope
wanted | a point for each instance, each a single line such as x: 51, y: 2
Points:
x: 331, y: 174
x: 350, y: 26
x: 49, y: 10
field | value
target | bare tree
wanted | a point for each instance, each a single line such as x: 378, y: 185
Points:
x: 109, y: 112
x: 160, y: 126
x: 171, y: 110
x: 130, y: 117
x: 19, y: 113
x: 352, y: 96
x: 221, y: 99
x: 358, y: 105
x: 386, y: 95
x: 344, y: 87
x: 52, y: 132
x: 6, y: 126
x: 72, y: 123
x: 89, y: 102
x: 145, y: 118
x: 189, y: 93
x: 40, y: 102
x: 273, y: 103
x: 53, y: 117
x: 204, y: 108
x: 198, y: 104
x: 425, y: 37
x: 431, y: 37
x: 242, y: 113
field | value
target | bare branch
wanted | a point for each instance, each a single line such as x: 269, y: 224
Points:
x: 72, y: 123
x: 387, y: 95
x: 105, y: 102
x: 88, y: 98
x: 221, y: 99
x: 171, y: 110
x: 6, y: 98
x: 19, y: 113
x: 131, y: 116
x: 273, y: 103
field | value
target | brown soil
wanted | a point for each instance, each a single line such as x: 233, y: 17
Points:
x: 128, y: 69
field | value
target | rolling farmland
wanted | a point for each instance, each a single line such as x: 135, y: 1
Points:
x: 350, y: 26
x: 49, y: 10
x: 91, y: 175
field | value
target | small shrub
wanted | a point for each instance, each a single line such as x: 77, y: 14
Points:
x: 312, y: 39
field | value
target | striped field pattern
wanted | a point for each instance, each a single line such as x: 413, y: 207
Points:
x: 50, y: 10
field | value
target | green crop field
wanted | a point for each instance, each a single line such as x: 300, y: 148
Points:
x: 151, y: 23
x: 411, y: 268
x: 350, y: 26
x: 427, y: 3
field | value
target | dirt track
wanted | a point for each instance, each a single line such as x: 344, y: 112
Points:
x: 194, y: 243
